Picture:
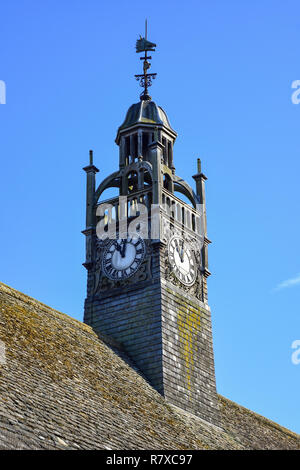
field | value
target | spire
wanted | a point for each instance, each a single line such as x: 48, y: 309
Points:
x: 145, y: 79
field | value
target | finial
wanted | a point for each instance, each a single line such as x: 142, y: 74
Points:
x: 145, y: 79
x: 91, y: 157
x: 198, y: 165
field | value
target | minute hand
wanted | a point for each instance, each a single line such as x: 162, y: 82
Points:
x: 182, y: 253
x: 118, y: 247
x: 123, y: 249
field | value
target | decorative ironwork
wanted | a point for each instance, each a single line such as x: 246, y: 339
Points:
x: 145, y: 79
x: 148, y: 82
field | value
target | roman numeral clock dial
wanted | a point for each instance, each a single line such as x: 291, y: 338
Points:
x: 182, y: 260
x: 123, y: 257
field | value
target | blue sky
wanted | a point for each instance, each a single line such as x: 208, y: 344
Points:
x: 225, y: 71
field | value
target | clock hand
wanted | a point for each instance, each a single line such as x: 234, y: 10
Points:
x: 182, y: 252
x: 177, y: 248
x: 123, y: 248
x: 118, y: 247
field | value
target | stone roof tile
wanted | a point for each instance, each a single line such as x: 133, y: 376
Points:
x: 63, y: 387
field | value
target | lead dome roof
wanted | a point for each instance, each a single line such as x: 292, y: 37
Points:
x: 146, y: 112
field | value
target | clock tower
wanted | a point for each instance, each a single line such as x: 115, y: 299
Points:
x: 146, y: 259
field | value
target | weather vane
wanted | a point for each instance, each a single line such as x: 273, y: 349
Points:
x: 143, y: 45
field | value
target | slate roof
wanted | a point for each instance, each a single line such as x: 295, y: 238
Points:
x: 63, y: 387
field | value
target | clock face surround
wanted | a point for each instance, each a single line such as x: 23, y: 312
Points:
x: 123, y: 257
x: 182, y: 260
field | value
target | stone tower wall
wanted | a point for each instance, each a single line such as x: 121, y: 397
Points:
x: 188, y: 361
x: 132, y: 316
x: 166, y: 332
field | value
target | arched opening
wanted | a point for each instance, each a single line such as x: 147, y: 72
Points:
x: 167, y: 182
x: 146, y: 178
x: 132, y: 182
x: 183, y: 198
x: 185, y: 193
x: 109, y: 193
x: 170, y: 154
x: 165, y: 151
x: 145, y: 142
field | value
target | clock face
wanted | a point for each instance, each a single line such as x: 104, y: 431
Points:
x: 123, y: 257
x: 182, y: 260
